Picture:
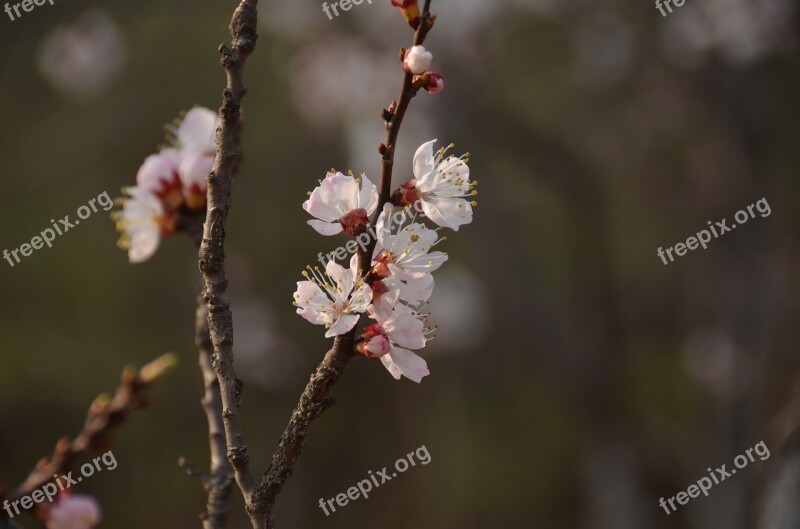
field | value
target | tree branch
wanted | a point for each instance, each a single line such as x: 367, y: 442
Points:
x: 318, y: 393
x: 219, y: 482
x: 394, y: 119
x: 103, y: 416
x: 211, y: 257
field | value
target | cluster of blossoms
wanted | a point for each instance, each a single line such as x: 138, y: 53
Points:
x: 398, y: 281
x: 168, y: 184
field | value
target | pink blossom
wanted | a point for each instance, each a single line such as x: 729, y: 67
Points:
x: 75, y: 511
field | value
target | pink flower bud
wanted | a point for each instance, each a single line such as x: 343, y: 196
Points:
x: 434, y: 82
x: 75, y: 511
x: 374, y: 342
x: 417, y: 60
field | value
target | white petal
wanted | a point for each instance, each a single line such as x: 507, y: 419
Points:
x: 144, y: 243
x: 424, y: 162
x: 342, y: 279
x: 368, y: 196
x: 393, y: 369
x: 360, y: 299
x: 448, y: 212
x: 406, y: 329
x: 312, y: 303
x: 418, y: 287
x: 197, y: 130
x: 138, y: 221
x: 194, y: 170
x: 383, y: 229
x: 335, y: 196
x: 410, y: 365
x: 342, y: 325
x: 341, y: 191
x: 382, y: 310
x: 325, y: 228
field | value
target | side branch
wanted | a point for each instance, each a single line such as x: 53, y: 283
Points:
x: 211, y: 257
x: 394, y: 120
x: 104, y: 415
x: 219, y: 481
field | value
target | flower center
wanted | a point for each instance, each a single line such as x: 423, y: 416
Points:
x: 354, y: 222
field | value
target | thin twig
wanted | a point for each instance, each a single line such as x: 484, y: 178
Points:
x: 103, y: 416
x: 219, y: 482
x: 211, y: 257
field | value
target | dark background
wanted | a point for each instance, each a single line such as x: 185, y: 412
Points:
x: 575, y: 379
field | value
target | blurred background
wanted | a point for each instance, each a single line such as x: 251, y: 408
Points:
x: 575, y: 380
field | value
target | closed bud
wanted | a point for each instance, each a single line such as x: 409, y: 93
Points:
x: 433, y: 82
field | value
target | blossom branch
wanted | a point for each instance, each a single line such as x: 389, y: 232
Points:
x: 395, y: 114
x: 211, y: 257
x: 318, y: 393
x: 103, y: 416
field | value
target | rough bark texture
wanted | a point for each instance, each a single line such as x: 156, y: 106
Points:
x: 211, y: 258
x: 219, y: 481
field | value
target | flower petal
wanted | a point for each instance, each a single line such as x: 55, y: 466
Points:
x: 360, y: 299
x: 197, y: 131
x: 405, y: 362
x: 448, y: 213
x: 158, y: 172
x: 406, y: 329
x: 325, y: 228
x: 342, y: 325
x: 193, y: 171
x: 368, y: 196
x: 312, y: 303
x: 342, y: 278
x: 424, y: 161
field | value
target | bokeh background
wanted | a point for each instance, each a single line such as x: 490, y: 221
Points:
x: 575, y: 379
